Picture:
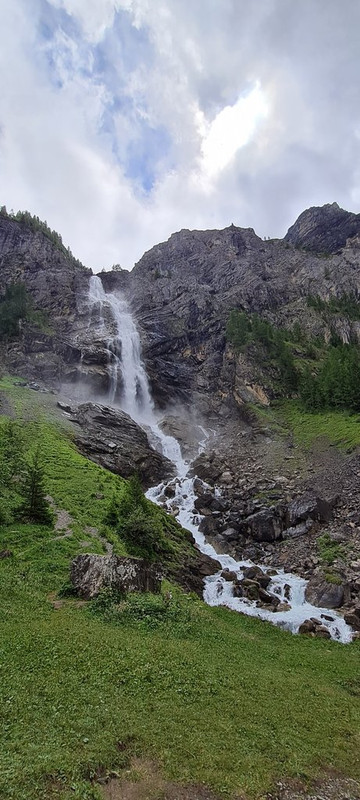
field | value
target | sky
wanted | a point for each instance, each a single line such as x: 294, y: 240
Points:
x: 123, y: 121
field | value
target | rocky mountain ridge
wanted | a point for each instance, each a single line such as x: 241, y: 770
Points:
x: 181, y: 293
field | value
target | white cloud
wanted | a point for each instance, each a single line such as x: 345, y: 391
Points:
x: 231, y: 111
x: 232, y: 128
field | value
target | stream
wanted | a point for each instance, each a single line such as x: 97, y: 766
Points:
x: 130, y: 390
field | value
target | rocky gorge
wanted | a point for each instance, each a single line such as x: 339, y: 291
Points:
x: 266, y: 502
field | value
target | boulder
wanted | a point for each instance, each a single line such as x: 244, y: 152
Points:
x: 308, y: 506
x: 229, y: 575
x: 257, y: 574
x: 352, y: 617
x: 205, y: 565
x: 320, y: 593
x: 264, y: 526
x: 90, y: 573
x: 112, y: 439
x: 308, y: 626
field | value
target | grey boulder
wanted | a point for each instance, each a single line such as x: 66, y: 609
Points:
x: 90, y: 573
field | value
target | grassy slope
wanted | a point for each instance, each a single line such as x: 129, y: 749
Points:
x: 338, y: 427
x: 214, y: 696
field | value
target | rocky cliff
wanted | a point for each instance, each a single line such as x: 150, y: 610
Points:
x: 181, y: 293
x: 55, y: 281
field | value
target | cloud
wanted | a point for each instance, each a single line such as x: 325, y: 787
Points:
x: 124, y: 120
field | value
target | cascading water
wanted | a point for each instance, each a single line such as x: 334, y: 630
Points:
x: 129, y: 389
x: 128, y: 381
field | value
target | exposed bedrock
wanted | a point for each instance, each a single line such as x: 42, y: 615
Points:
x: 112, y: 439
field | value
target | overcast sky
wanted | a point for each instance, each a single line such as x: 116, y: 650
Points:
x: 122, y: 121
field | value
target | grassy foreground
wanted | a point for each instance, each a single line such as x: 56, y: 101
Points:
x: 214, y: 697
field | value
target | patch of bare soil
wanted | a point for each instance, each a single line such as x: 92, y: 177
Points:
x: 329, y: 788
x: 144, y: 781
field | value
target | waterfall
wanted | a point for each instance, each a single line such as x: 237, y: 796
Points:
x: 129, y: 388
x: 128, y: 382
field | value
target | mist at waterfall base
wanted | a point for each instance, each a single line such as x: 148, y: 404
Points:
x: 129, y: 389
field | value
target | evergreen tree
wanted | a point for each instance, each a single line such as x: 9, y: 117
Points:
x: 35, y: 507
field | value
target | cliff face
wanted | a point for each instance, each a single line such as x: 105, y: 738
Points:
x: 182, y: 291
x: 55, y: 281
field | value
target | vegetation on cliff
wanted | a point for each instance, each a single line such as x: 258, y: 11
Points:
x: 33, y: 222
x: 16, y: 307
x: 321, y: 375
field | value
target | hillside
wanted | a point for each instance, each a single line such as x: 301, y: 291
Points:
x: 157, y: 695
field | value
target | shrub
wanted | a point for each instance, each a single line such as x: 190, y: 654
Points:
x: 143, y: 534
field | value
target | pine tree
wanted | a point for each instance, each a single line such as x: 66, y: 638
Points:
x: 35, y: 507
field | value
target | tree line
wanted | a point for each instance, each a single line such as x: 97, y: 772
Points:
x: 35, y: 224
x: 326, y: 376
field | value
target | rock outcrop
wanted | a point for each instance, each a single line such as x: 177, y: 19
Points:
x: 55, y: 281
x: 112, y: 439
x: 90, y: 573
x: 324, y: 229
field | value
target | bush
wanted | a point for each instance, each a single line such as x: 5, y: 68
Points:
x: 143, y: 535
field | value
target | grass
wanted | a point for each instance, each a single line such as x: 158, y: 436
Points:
x: 328, y: 550
x: 211, y: 695
x: 340, y: 428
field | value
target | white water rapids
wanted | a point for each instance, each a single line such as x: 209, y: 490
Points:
x: 129, y: 390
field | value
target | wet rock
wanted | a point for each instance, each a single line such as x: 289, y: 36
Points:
x: 352, y: 617
x: 252, y: 572
x: 209, y: 526
x: 206, y: 566
x: 315, y: 628
x: 169, y: 490
x: 204, y: 501
x: 229, y: 575
x: 282, y: 607
x: 307, y: 626
x: 267, y: 597
x: 112, y: 439
x: 320, y: 593
x: 90, y: 573
x: 322, y: 632
x: 257, y: 574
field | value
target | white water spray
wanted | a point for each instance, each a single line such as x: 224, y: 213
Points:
x: 129, y: 389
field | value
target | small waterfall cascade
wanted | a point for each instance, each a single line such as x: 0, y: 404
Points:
x: 129, y: 389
